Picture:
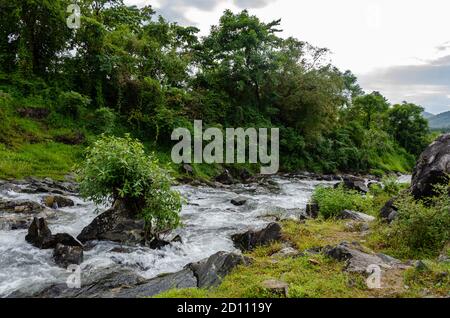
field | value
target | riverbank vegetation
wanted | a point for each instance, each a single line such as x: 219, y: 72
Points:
x: 125, y: 70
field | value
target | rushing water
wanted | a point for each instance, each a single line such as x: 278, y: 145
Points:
x: 209, y: 219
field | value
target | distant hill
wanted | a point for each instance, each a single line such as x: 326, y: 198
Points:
x: 440, y: 121
x: 427, y: 115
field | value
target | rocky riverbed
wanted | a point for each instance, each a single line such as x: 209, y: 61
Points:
x: 210, y: 217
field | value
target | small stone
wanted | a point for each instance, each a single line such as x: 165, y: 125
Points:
x: 277, y: 287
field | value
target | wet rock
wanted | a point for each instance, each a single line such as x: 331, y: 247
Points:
x: 357, y: 216
x: 225, y: 177
x: 66, y: 239
x: 157, y: 244
x: 357, y: 260
x: 354, y: 183
x: 115, y: 225
x: 57, y: 201
x: 389, y: 211
x: 127, y: 284
x: 177, y: 239
x: 20, y: 206
x: 182, y: 279
x: 65, y: 255
x: 251, y: 239
x: 211, y: 271
x: 432, y: 168
x: 276, y: 287
x: 39, y: 235
x: 312, y: 210
x: 239, y: 201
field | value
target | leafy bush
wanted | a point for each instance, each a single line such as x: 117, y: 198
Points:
x: 333, y: 201
x: 421, y: 228
x: 104, y: 120
x: 72, y: 104
x: 118, y: 168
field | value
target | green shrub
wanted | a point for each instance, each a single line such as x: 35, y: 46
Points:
x: 332, y: 201
x: 104, y: 120
x: 72, y: 104
x: 118, y: 168
x: 421, y: 228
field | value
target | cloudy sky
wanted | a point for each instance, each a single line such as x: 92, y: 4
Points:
x: 398, y: 47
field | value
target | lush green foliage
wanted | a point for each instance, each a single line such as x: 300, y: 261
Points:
x: 421, y: 228
x: 125, y: 70
x: 118, y: 169
x: 332, y: 201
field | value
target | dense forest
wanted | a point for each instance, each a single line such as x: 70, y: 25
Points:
x: 127, y: 70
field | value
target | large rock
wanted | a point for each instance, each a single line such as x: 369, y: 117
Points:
x: 357, y: 260
x: 211, y: 271
x: 251, y: 239
x: 115, y: 225
x: 432, y: 168
x: 356, y: 216
x: 65, y: 255
x: 39, y: 235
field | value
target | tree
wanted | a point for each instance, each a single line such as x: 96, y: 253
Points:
x: 408, y: 127
x: 118, y: 169
x: 369, y: 107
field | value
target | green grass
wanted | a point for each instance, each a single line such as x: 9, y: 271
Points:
x: 50, y: 159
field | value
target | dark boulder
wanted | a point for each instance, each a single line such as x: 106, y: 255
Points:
x: 312, y: 210
x: 157, y: 244
x: 65, y: 255
x: 389, y: 210
x: 432, y: 168
x: 115, y: 225
x: 66, y: 239
x: 251, y: 239
x: 211, y: 271
x: 225, y: 177
x: 57, y: 201
x: 354, y: 183
x: 238, y: 201
x: 39, y: 235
